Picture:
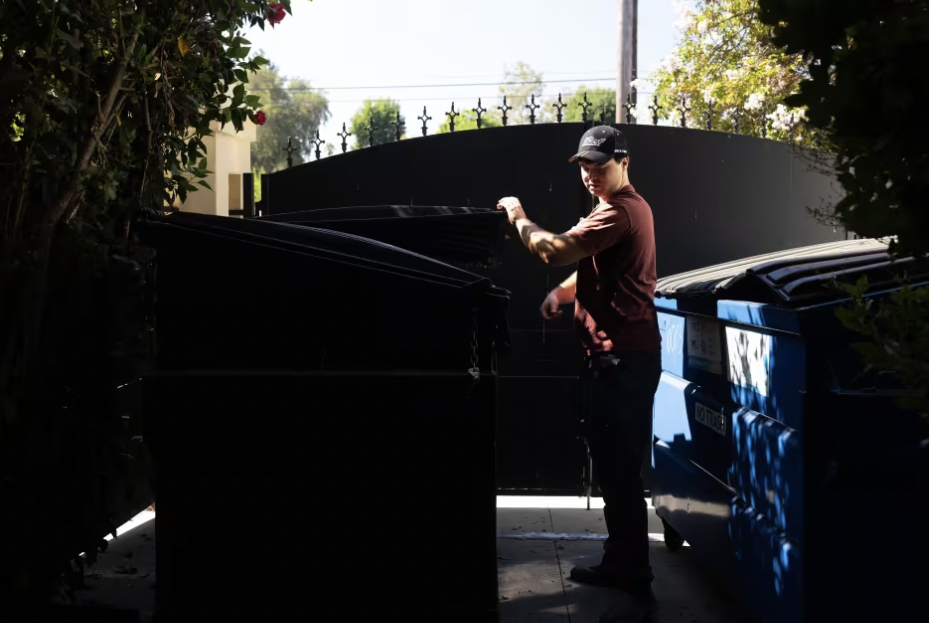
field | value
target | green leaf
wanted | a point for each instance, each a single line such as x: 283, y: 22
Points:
x: 253, y: 101
x: 75, y: 43
x: 204, y: 184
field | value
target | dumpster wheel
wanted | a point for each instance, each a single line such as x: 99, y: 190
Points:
x: 673, y: 540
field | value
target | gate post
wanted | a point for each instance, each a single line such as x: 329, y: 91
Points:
x: 248, y: 195
x: 266, y: 194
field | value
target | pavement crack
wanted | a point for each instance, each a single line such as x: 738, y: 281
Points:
x: 558, y: 560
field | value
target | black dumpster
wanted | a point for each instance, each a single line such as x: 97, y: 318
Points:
x: 322, y: 421
x: 456, y: 235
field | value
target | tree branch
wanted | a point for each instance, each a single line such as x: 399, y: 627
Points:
x: 58, y: 208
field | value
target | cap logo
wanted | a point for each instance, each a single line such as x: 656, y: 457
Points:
x: 592, y: 141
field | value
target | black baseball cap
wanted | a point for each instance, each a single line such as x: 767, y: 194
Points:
x: 600, y: 144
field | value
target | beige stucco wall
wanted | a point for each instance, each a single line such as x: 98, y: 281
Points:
x: 228, y: 152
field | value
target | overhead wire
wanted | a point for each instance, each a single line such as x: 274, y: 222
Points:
x: 429, y: 86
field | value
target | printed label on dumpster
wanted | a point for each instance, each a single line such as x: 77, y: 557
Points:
x: 710, y: 418
x: 703, y: 340
x: 749, y: 355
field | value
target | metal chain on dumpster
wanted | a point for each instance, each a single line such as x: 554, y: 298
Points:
x: 475, y: 371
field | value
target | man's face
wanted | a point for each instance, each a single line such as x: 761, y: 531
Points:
x: 602, y: 180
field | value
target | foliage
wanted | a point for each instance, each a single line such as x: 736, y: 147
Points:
x: 381, y: 114
x: 896, y: 336
x: 862, y: 91
x: 603, y: 105
x: 468, y: 121
x: 294, y: 111
x: 725, y: 65
x: 103, y: 106
x: 520, y: 84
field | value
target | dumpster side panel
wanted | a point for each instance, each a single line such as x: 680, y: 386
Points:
x: 766, y: 569
x: 766, y: 366
x: 331, y: 475
x: 766, y: 471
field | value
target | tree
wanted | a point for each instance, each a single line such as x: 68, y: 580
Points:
x: 380, y: 115
x: 103, y: 109
x: 521, y: 85
x: 294, y: 111
x: 726, y: 66
x: 603, y: 105
x: 468, y: 121
x: 863, y: 90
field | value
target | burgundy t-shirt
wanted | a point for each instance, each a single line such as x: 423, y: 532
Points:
x: 615, y: 293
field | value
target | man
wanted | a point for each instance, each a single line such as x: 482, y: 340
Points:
x: 614, y: 294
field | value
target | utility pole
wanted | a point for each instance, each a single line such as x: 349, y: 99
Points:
x: 627, y: 11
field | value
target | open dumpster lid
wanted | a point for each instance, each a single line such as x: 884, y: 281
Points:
x: 290, y: 296
x: 375, y: 211
x: 337, y: 246
x: 456, y: 235
x: 797, y: 276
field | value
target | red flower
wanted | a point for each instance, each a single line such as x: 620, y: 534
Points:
x: 260, y: 118
x: 275, y: 12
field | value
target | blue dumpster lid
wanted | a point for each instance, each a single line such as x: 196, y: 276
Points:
x: 797, y: 275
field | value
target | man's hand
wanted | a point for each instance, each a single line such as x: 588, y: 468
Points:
x: 511, y: 205
x: 550, y: 307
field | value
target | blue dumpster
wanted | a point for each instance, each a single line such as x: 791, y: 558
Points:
x: 789, y: 474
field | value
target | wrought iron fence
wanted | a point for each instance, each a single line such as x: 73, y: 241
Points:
x: 681, y: 114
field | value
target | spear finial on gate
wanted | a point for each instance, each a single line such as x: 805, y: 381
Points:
x: 478, y: 111
x: 452, y: 116
x: 558, y: 107
x: 584, y: 104
x: 290, y: 149
x: 318, y: 142
x: 684, y: 108
x: 709, y: 117
x: 345, y: 134
x: 424, y: 118
x: 370, y: 130
x: 398, y: 125
x: 736, y: 116
x: 504, y: 109
x: 655, y: 110
x: 629, y: 105
x: 532, y: 107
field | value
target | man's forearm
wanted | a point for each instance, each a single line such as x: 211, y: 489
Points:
x: 531, y: 234
x: 541, y: 243
x: 565, y: 291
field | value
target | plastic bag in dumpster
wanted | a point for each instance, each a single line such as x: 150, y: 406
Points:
x: 774, y: 453
x: 456, y: 235
x: 253, y: 294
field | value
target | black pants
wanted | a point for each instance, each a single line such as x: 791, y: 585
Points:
x: 618, y: 393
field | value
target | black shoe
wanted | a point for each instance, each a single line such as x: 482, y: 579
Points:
x: 637, y: 606
x: 597, y: 575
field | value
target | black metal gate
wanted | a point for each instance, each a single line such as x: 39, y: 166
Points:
x: 715, y: 196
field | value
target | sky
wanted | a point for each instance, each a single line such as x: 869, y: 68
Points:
x: 358, y: 49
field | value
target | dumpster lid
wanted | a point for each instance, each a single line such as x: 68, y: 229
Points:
x: 374, y: 211
x: 451, y: 234
x: 323, y: 243
x: 797, y: 276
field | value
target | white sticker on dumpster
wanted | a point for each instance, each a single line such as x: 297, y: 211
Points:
x: 710, y: 418
x: 749, y: 355
x: 704, y: 344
